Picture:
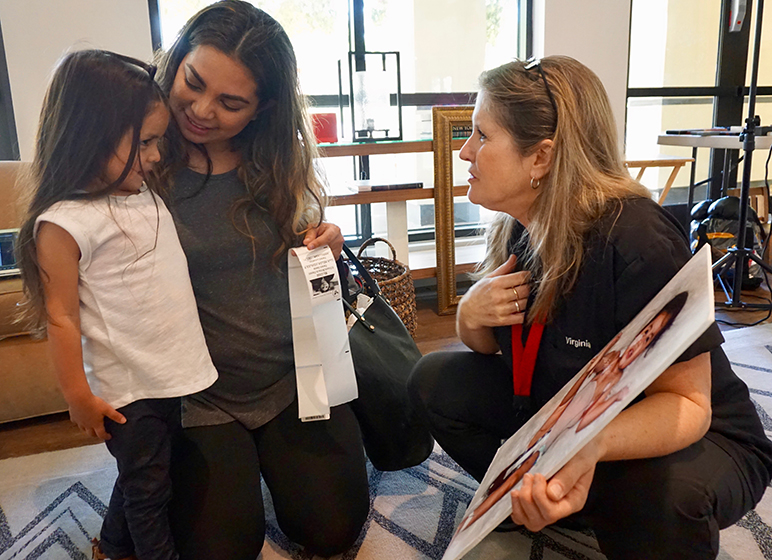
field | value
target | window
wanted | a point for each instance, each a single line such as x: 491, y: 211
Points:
x: 685, y: 71
x: 443, y: 46
x: 673, y: 44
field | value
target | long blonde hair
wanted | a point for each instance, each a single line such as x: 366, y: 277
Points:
x: 587, y: 172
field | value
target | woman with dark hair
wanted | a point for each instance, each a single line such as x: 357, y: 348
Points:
x: 578, y: 249
x: 243, y: 192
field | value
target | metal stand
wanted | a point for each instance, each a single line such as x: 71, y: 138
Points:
x: 739, y: 255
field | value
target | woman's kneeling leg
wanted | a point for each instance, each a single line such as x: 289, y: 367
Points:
x: 317, y: 477
x: 468, y: 400
x: 667, y: 507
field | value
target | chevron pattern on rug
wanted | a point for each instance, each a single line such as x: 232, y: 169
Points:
x: 413, y: 513
x: 60, y: 530
x: 52, y: 504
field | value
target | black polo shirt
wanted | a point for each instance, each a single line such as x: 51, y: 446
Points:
x: 630, y: 254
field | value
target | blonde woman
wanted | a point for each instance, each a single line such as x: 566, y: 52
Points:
x: 243, y: 192
x: 578, y: 250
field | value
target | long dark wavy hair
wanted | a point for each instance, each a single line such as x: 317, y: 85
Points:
x: 95, y: 97
x: 278, y: 147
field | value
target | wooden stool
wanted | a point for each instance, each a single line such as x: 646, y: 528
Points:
x: 661, y: 161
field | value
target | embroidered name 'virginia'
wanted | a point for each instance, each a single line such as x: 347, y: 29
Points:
x: 578, y: 343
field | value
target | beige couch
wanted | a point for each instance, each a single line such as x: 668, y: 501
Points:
x: 27, y: 383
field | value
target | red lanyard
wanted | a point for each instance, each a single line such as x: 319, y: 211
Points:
x: 524, y: 359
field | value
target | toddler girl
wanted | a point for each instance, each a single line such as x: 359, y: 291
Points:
x: 104, y: 272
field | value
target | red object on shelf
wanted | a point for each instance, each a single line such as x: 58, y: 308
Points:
x: 325, y: 127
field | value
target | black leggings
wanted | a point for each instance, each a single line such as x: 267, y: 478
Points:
x: 137, y: 520
x: 660, y: 508
x: 315, y: 472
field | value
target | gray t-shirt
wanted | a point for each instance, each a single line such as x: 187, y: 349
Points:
x: 243, y: 303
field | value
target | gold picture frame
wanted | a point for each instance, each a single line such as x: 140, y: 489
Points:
x: 446, y: 120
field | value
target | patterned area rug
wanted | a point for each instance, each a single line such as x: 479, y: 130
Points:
x: 52, y: 504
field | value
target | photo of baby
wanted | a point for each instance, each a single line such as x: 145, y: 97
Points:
x: 323, y: 284
x: 628, y: 364
x: 597, y: 388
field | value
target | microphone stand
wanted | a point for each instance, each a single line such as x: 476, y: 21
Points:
x: 739, y: 255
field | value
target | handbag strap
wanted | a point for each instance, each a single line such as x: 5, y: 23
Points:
x: 370, y: 327
x: 363, y: 273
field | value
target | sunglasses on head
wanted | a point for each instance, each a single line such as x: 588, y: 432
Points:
x: 532, y: 63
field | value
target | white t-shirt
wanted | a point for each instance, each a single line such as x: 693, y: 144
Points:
x: 140, y: 329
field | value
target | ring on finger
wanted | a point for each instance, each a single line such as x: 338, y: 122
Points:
x: 517, y: 306
x: 517, y: 297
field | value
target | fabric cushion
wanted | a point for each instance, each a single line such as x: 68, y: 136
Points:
x: 11, y: 295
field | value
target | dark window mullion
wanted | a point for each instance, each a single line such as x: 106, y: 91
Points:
x: 155, y: 24
x: 680, y: 91
x: 526, y: 14
x: 9, y: 140
x: 728, y: 106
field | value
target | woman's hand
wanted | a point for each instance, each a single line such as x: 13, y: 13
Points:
x: 89, y: 413
x: 499, y: 299
x: 325, y: 234
x: 538, y: 503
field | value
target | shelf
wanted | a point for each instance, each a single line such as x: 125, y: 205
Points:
x: 423, y: 264
x: 381, y: 148
x: 431, y: 272
x: 396, y: 195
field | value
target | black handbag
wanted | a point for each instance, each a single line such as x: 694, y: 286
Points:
x: 395, y: 436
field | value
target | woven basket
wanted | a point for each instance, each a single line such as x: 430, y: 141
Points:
x: 395, y: 281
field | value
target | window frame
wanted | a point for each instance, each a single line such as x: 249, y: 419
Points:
x: 9, y: 138
x: 729, y: 92
x: 418, y: 99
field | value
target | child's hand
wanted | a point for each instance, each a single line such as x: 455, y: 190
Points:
x: 89, y: 412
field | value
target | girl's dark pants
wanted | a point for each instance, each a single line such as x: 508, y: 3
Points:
x: 137, y: 520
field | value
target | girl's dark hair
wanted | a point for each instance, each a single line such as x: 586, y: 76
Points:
x: 95, y: 97
x: 277, y: 147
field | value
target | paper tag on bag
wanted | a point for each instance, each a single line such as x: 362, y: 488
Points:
x: 321, y: 274
x: 312, y: 394
x: 323, y: 366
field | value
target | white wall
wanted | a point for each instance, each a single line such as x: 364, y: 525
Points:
x: 595, y: 33
x: 37, y: 32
